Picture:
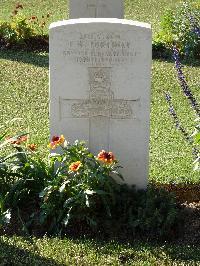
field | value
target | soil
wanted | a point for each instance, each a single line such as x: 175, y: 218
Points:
x: 191, y: 234
x: 188, y: 198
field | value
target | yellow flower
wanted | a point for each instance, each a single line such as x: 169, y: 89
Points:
x: 106, y: 157
x: 74, y: 167
x: 16, y: 141
x: 56, y: 141
x: 32, y: 147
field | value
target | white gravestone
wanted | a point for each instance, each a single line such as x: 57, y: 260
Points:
x: 96, y: 9
x: 100, y: 71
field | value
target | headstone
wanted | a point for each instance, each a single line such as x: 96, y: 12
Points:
x: 96, y: 9
x: 100, y: 71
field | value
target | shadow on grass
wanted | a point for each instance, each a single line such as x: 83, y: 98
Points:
x: 176, y: 252
x: 188, y: 62
x: 137, y: 251
x: 166, y: 56
x: 35, y: 58
x: 125, y: 252
x: 12, y: 255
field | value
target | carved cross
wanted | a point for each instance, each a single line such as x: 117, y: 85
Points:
x: 96, y: 9
x: 100, y: 108
x: 92, y: 10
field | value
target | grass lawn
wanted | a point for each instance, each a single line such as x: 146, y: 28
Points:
x: 21, y: 251
x: 24, y: 93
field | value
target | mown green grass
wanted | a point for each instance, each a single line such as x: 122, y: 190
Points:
x: 24, y: 93
x: 58, y: 8
x: 57, y: 252
x: 170, y: 155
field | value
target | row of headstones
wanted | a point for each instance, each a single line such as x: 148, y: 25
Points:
x: 100, y: 71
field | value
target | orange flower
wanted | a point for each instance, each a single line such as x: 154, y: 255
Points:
x: 56, y: 141
x: 23, y: 138
x: 32, y: 147
x: 106, y: 157
x: 74, y: 167
x: 16, y: 141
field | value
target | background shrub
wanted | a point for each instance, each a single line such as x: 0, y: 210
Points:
x: 21, y: 28
x: 179, y: 26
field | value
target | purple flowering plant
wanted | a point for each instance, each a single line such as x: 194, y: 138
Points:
x: 193, y: 139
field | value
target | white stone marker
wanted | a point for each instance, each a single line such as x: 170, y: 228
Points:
x: 96, y: 9
x: 100, y: 71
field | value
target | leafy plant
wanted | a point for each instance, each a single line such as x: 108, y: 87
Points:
x: 21, y: 28
x: 179, y: 26
x: 6, y: 175
x: 22, y: 174
x: 152, y: 212
x: 82, y: 188
x: 84, y: 194
x: 159, y: 216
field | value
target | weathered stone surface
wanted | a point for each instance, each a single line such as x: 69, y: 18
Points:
x: 96, y: 9
x: 100, y: 88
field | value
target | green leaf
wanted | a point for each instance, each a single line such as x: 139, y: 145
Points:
x: 118, y: 174
x: 91, y: 221
x: 52, y: 155
x: 197, y: 138
x: 2, y: 136
x: 62, y: 188
x: 89, y: 192
x: 197, y: 164
x: 87, y: 201
x: 101, y: 192
x: 45, y: 191
x: 66, y: 220
x: 68, y: 202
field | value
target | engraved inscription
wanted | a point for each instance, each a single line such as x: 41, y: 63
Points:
x: 118, y: 109
x: 99, y: 49
x: 101, y: 101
